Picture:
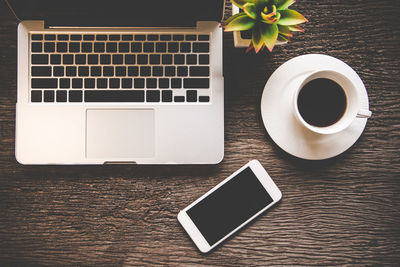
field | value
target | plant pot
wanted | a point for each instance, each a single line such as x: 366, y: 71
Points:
x: 243, y: 38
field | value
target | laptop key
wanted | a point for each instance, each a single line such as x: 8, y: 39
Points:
x: 80, y: 59
x: 44, y: 83
x: 74, y: 47
x: 126, y: 83
x: 182, y: 71
x: 138, y: 83
x: 163, y: 83
x: 76, y: 37
x: 154, y: 59
x: 68, y: 59
x: 49, y: 47
x: 89, y: 83
x: 61, y: 96
x: 157, y: 71
x: 120, y: 71
x: 178, y: 37
x: 166, y: 59
x: 88, y: 37
x: 151, y: 83
x: 37, y: 37
x: 93, y: 59
x: 191, y: 96
x: 176, y: 83
x: 101, y: 37
x: 111, y: 47
x: 165, y: 37
x: 62, y: 47
x: 48, y: 96
x: 204, y: 98
x: 117, y: 59
x: 36, y: 96
x: 63, y: 37
x: 105, y: 59
x: 65, y: 83
x: 161, y: 47
x: 70, y: 71
x: 133, y: 71
x: 196, y: 83
x: 95, y: 71
x: 114, y: 96
x: 191, y: 37
x: 58, y: 71
x: 108, y: 71
x: 166, y: 96
x: 87, y: 47
x: 136, y: 47
x: 50, y: 37
x: 145, y: 71
x: 185, y: 47
x: 179, y: 98
x: 40, y: 59
x: 114, y: 37
x: 152, y: 37
x: 140, y: 37
x: 75, y: 96
x: 102, y: 83
x: 173, y: 47
x: 83, y: 71
x: 148, y: 47
x: 99, y: 47
x: 204, y: 37
x: 130, y: 59
x: 199, y: 71
x: 191, y: 59
x: 123, y: 47
x: 127, y: 37
x: 36, y: 47
x: 41, y: 71
x: 201, y: 47
x: 170, y: 71
x: 153, y: 96
x: 204, y: 59
x: 77, y: 83
x: 114, y: 83
x: 55, y: 59
x: 142, y: 59
x: 179, y: 59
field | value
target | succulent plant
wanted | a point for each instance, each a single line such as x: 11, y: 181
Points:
x: 269, y: 20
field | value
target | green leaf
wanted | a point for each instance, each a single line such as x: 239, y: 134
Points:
x: 240, y: 3
x: 233, y: 17
x: 256, y: 39
x: 240, y: 23
x: 269, y: 35
x: 291, y: 17
x: 284, y: 30
x: 295, y: 28
x: 251, y: 10
x: 284, y: 4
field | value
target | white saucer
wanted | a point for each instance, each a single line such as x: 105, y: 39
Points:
x: 281, y: 123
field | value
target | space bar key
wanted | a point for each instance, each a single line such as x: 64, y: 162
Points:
x: 114, y: 96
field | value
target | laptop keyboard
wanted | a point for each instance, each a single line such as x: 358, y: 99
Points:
x: 98, y: 68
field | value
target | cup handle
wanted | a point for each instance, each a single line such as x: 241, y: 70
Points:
x: 364, y: 113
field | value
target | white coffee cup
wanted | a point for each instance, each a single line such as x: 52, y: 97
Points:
x: 353, y: 108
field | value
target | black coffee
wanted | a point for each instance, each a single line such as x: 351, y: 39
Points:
x: 321, y: 102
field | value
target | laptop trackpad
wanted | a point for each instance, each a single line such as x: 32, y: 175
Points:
x: 119, y: 133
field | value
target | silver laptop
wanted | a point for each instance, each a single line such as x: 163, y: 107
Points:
x: 119, y: 81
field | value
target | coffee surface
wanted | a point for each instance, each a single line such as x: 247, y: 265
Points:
x: 322, y: 102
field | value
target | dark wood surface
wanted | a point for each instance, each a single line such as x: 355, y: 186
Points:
x: 344, y: 210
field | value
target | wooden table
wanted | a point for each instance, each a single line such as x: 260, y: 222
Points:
x: 344, y: 210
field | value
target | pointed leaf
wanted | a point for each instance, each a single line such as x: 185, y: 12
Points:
x: 269, y: 34
x: 284, y: 4
x: 232, y: 18
x: 291, y: 17
x: 240, y: 3
x: 257, y: 40
x: 240, y: 23
x: 282, y: 38
x: 251, y: 10
x: 295, y: 28
x: 284, y: 30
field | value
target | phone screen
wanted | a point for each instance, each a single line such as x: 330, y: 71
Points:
x: 229, y: 206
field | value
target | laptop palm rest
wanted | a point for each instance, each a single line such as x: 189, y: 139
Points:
x: 120, y: 133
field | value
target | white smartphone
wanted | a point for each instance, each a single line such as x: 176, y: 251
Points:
x: 229, y: 206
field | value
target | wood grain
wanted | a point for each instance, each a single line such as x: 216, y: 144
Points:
x: 341, y: 211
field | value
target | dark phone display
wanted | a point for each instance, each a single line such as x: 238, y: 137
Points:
x: 229, y: 206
